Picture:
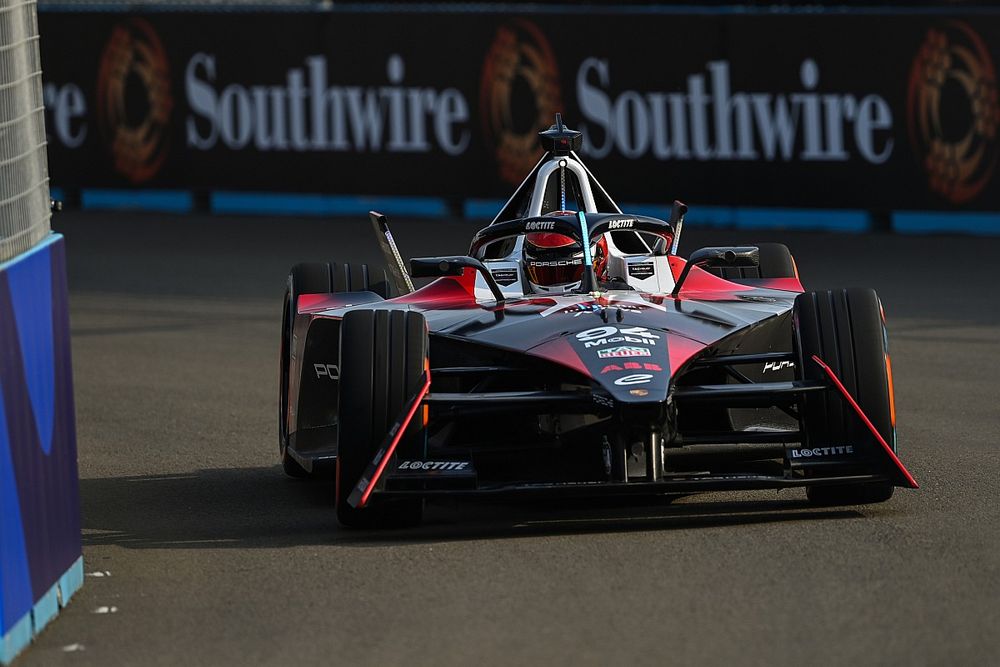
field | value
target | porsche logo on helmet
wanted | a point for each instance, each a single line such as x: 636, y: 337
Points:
x: 952, y: 111
x: 519, y: 95
x: 134, y: 101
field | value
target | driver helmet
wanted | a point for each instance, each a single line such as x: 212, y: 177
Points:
x: 554, y: 262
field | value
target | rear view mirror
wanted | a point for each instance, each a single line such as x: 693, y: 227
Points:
x: 436, y: 267
x: 711, y: 258
x: 725, y: 257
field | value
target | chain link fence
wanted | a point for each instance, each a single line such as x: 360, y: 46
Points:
x: 24, y: 180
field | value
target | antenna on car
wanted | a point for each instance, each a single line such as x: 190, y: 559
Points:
x: 560, y: 140
x: 393, y: 260
x: 677, y: 212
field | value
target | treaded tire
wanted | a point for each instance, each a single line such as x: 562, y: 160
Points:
x: 845, y: 329
x: 315, y: 278
x: 359, y: 278
x: 775, y: 262
x: 382, y: 355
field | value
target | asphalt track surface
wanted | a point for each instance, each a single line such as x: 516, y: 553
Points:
x: 216, y: 558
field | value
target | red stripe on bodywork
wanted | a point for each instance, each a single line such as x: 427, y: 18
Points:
x: 676, y: 265
x: 783, y: 284
x: 561, y: 352
x: 681, y: 349
x: 700, y: 280
x: 446, y: 291
x: 871, y: 427
x: 395, y: 441
x: 315, y: 302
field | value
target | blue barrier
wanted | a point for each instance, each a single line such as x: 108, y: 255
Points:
x: 284, y: 203
x: 938, y: 222
x: 723, y: 217
x: 41, y: 566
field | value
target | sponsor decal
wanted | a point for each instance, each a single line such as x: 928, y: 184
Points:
x: 327, y: 370
x: 433, y: 465
x: 623, y: 351
x: 134, y: 100
x: 603, y: 401
x: 639, y: 392
x: 66, y: 114
x: 952, y: 111
x: 519, y: 96
x: 621, y: 224
x: 505, y: 276
x: 556, y: 262
x: 711, y: 122
x: 641, y: 270
x: 778, y: 365
x: 538, y: 226
x: 305, y: 113
x: 578, y: 309
x: 806, y: 452
x: 604, y: 336
x: 619, y: 339
x: 636, y: 378
x: 631, y: 366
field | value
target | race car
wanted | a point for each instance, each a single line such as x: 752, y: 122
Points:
x: 573, y: 351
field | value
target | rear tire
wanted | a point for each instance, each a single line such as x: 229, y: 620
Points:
x: 845, y: 329
x: 308, y: 278
x: 315, y: 278
x: 383, y: 356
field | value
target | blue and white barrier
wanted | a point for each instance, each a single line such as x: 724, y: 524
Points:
x: 41, y: 565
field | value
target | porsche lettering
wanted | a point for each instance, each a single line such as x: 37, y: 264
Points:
x: 330, y: 371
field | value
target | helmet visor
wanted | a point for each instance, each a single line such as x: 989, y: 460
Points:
x: 555, y: 271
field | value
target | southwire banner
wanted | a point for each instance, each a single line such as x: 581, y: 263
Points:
x: 844, y: 111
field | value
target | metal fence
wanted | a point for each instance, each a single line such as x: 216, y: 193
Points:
x: 24, y: 177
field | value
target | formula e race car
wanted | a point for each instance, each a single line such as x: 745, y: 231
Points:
x: 573, y: 351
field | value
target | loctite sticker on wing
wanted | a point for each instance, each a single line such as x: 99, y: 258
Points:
x: 433, y: 468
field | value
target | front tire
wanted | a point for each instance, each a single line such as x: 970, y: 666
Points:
x: 383, y: 356
x: 845, y: 328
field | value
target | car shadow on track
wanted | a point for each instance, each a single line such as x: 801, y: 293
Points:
x: 260, y: 508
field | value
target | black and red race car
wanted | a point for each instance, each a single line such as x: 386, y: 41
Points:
x: 573, y: 351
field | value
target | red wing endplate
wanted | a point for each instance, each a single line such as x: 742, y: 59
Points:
x: 871, y: 427
x: 363, y: 489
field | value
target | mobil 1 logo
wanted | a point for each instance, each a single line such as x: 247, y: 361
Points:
x: 610, y: 335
